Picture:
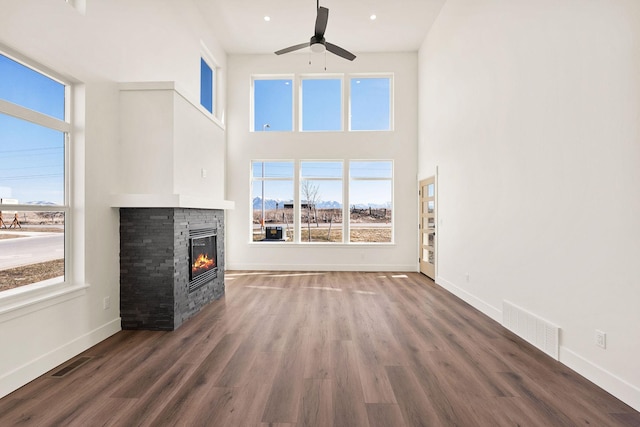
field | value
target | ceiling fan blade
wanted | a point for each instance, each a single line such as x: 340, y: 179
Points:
x: 292, y: 48
x: 321, y: 22
x: 340, y: 51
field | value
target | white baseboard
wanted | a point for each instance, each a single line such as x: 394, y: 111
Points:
x: 321, y: 267
x: 489, y: 310
x: 31, y: 370
x: 604, y: 379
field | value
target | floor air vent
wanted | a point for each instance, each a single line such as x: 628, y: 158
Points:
x: 539, y: 332
x: 71, y: 367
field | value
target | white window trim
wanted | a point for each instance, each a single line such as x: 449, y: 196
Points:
x: 252, y: 98
x: 391, y: 77
x: 299, y: 204
x: 253, y: 179
x: 345, y: 98
x: 297, y: 221
x: 343, y: 94
x: 12, y: 300
x: 209, y: 59
x: 393, y: 202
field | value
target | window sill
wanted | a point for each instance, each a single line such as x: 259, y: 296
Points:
x: 28, y: 299
x: 358, y: 245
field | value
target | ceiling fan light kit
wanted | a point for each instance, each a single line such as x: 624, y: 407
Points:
x: 317, y: 43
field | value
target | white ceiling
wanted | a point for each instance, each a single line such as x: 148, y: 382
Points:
x: 401, y: 25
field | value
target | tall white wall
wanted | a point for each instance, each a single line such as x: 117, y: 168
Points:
x: 115, y: 41
x: 399, y: 145
x: 530, y: 112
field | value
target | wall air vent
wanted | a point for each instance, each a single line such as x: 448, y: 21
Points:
x: 539, y: 332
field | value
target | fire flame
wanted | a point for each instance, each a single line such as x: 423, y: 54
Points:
x: 203, y: 262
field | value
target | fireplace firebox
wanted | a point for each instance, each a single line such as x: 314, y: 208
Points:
x: 202, y: 257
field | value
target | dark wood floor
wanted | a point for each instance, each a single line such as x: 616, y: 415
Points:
x: 320, y: 349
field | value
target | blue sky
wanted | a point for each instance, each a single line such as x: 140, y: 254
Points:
x: 369, y: 104
x: 31, y: 156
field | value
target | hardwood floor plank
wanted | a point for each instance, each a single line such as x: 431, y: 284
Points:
x: 248, y: 405
x: 189, y: 397
x: 286, y: 393
x: 263, y: 370
x: 348, y: 400
x: 157, y: 397
x: 373, y: 376
x: 414, y: 405
x: 384, y: 415
x: 318, y: 363
x: 317, y: 405
x: 236, y: 372
x: 319, y: 348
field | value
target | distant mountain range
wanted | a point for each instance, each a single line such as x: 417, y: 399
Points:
x: 40, y: 202
x: 271, y: 204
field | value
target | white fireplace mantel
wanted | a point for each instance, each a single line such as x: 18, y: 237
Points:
x: 168, y: 201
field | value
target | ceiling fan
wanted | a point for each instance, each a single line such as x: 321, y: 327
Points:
x: 317, y: 42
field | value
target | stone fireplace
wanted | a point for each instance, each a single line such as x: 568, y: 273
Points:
x: 171, y: 265
x: 170, y: 196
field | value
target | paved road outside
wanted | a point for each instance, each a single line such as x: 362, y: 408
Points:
x: 34, y: 248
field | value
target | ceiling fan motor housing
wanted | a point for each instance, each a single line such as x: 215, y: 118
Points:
x: 317, y: 44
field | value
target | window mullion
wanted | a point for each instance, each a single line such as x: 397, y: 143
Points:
x: 32, y: 116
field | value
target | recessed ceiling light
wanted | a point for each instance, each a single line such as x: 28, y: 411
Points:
x: 267, y: 18
x: 373, y: 17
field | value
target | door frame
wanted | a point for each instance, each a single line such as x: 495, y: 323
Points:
x: 428, y: 227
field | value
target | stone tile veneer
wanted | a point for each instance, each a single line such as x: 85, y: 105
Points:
x: 154, y: 266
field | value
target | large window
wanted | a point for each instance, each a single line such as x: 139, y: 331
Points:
x: 321, y: 104
x: 311, y: 208
x: 34, y: 177
x: 272, y: 201
x: 272, y: 104
x: 370, y: 201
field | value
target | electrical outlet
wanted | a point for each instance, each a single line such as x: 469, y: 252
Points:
x: 106, y: 303
x: 468, y: 277
x: 601, y: 339
x: 203, y: 173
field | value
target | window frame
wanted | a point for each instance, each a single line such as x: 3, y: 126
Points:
x: 345, y: 100
x: 252, y: 103
x: 301, y: 179
x: 216, y: 101
x: 372, y: 178
x: 298, y: 224
x: 300, y: 98
x: 14, y: 297
x: 203, y: 92
x: 253, y: 179
x: 363, y: 76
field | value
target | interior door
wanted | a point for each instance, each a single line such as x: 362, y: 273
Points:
x: 428, y: 227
